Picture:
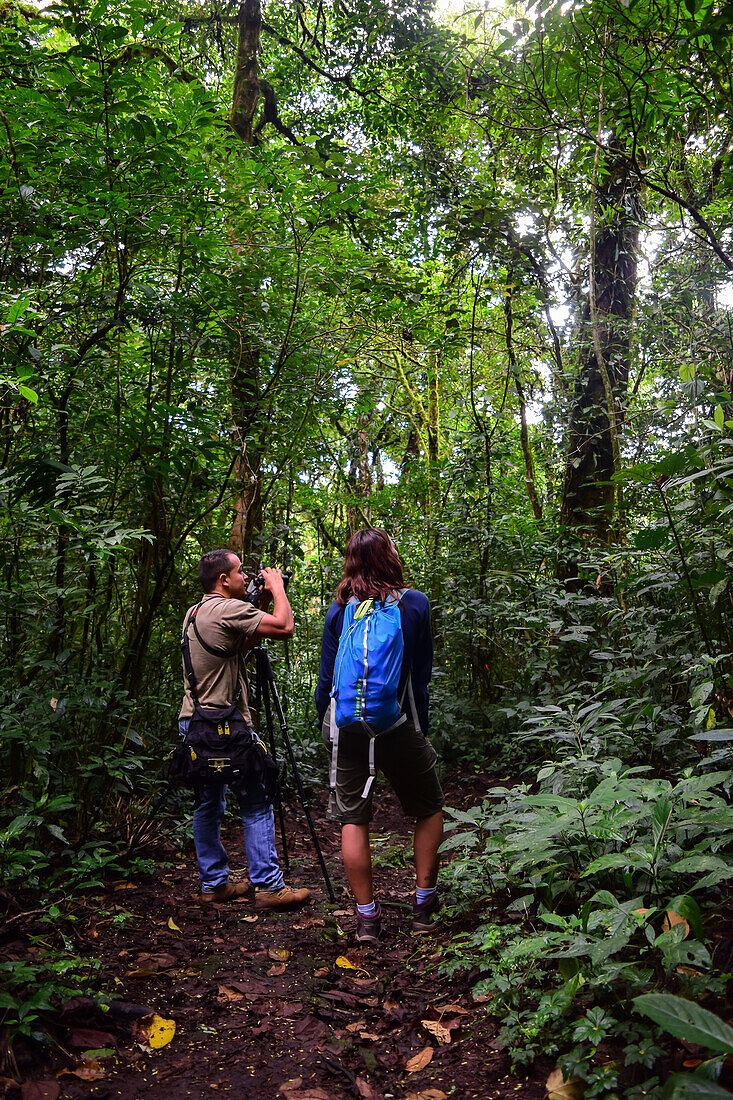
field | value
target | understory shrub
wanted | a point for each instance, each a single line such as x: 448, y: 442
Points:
x: 591, y: 876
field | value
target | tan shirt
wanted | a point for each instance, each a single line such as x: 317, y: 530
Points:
x: 223, y: 624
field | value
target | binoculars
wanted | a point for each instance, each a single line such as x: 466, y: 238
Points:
x: 257, y: 584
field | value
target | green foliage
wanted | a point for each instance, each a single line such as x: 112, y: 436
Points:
x: 594, y: 861
x: 378, y: 312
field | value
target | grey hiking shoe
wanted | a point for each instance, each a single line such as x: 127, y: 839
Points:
x: 369, y: 929
x: 426, y: 917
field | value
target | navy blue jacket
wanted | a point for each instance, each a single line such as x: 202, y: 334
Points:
x: 417, y: 657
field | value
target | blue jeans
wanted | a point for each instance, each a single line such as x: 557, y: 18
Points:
x: 259, y: 836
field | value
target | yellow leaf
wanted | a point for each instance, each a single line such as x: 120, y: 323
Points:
x: 153, y: 1032
x: 172, y: 925
x: 419, y: 1061
x: 125, y: 886
x: 278, y: 954
x: 345, y: 964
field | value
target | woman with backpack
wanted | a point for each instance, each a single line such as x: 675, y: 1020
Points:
x: 372, y: 700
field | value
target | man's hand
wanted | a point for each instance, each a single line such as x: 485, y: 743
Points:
x: 273, y: 578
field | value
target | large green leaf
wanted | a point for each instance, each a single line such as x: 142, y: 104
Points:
x: 686, y: 1020
x: 688, y: 1086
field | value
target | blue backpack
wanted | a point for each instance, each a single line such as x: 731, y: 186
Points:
x: 366, y: 677
x: 368, y: 664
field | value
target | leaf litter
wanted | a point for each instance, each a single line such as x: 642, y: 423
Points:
x: 279, y: 1004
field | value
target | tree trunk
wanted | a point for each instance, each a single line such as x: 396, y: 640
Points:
x: 529, y: 468
x: 245, y: 364
x: 600, y: 390
x: 246, y: 87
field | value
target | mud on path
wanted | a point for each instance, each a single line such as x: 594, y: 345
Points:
x: 274, y: 1005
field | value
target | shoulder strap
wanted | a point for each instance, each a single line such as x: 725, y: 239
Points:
x: 225, y: 653
x: 188, y: 663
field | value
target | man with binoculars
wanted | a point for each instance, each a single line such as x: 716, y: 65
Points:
x: 225, y: 625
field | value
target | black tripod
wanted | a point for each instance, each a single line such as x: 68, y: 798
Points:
x: 266, y: 699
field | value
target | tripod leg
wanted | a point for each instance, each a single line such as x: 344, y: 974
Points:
x: 263, y: 683
x: 267, y: 669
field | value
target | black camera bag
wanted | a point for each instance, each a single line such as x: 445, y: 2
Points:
x: 219, y: 745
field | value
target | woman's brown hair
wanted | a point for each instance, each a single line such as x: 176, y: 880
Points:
x: 372, y: 569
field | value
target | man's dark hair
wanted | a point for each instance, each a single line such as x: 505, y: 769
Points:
x: 211, y: 567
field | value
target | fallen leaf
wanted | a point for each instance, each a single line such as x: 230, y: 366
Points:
x: 560, y: 1089
x: 356, y: 1026
x: 290, y: 1008
x: 342, y: 913
x: 455, y: 1010
x: 251, y: 918
x: 427, y: 1094
x: 172, y: 925
x: 278, y: 954
x: 290, y: 1086
x: 276, y: 970
x: 369, y: 1036
x: 160, y: 961
x: 125, y: 886
x: 419, y: 1061
x: 438, y: 1031
x: 672, y: 919
x: 345, y: 964
x: 145, y: 972
x: 365, y: 1090
x: 690, y: 970
x: 153, y: 1032
x: 85, y: 1037
x: 321, y: 972
x: 227, y: 994
x: 87, y: 1071
x: 40, y: 1090
x: 309, y: 1093
x: 311, y: 1029
x: 692, y: 1063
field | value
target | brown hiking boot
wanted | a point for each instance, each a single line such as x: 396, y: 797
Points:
x: 281, y: 900
x: 369, y: 929
x: 426, y: 917
x: 230, y: 891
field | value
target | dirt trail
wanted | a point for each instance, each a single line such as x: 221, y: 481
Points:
x: 271, y: 1005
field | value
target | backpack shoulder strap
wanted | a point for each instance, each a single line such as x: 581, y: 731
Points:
x: 188, y: 663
